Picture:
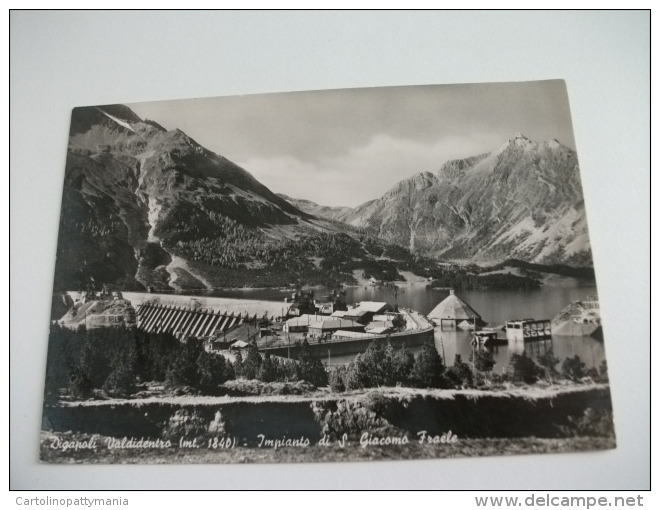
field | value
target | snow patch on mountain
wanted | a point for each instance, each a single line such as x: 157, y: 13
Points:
x: 122, y: 123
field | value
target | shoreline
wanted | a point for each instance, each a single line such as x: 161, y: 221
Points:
x: 549, y: 281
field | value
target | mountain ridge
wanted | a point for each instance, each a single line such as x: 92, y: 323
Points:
x: 130, y: 188
x: 523, y: 200
x: 144, y: 207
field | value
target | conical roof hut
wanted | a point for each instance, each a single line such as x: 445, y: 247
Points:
x: 452, y: 310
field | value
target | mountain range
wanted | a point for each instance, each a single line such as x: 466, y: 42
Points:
x: 523, y: 200
x: 146, y: 207
x: 141, y: 205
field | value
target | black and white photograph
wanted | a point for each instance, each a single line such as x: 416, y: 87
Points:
x: 337, y: 275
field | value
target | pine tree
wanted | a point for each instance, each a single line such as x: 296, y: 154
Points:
x: 238, y: 364
x: 95, y: 361
x: 79, y: 384
x: 484, y: 360
x: 460, y: 374
x: 374, y: 366
x: 403, y: 362
x: 182, y: 369
x: 523, y: 369
x: 213, y: 370
x: 120, y: 382
x: 267, y: 370
x: 250, y: 367
x: 336, y: 379
x: 428, y: 368
x: 573, y: 368
x: 310, y: 368
x: 57, y: 367
x: 351, y: 377
x: 548, y: 361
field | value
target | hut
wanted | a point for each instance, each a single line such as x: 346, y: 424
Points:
x: 453, y: 312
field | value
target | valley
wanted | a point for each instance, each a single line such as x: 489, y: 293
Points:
x: 144, y: 208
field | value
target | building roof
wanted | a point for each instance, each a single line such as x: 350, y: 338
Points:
x: 306, y: 320
x: 379, y: 330
x: 369, y: 306
x: 379, y: 325
x: 339, y: 313
x: 356, y: 313
x: 452, y: 307
x: 336, y: 324
x: 243, y: 333
x: 351, y: 334
x: 387, y: 316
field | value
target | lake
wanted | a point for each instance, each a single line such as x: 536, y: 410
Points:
x: 494, y: 306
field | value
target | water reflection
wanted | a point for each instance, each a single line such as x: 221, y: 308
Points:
x: 590, y: 350
x: 451, y: 343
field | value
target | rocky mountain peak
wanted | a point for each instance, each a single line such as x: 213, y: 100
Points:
x: 521, y: 200
x: 456, y: 168
x: 516, y: 143
x: 140, y: 187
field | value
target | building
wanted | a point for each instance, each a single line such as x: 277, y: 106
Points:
x: 326, y: 308
x: 301, y: 324
x: 379, y: 327
x: 330, y: 325
x: 580, y: 318
x: 343, y: 335
x: 527, y: 329
x: 244, y: 333
x: 100, y: 314
x: 452, y: 312
x: 364, y: 312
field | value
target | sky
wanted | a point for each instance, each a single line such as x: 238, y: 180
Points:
x: 346, y: 147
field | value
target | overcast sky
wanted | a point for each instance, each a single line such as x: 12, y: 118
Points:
x: 345, y: 147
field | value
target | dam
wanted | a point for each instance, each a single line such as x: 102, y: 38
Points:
x: 186, y: 321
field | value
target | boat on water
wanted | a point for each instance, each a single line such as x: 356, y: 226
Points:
x: 580, y: 318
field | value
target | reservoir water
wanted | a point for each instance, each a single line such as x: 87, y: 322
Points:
x: 494, y: 306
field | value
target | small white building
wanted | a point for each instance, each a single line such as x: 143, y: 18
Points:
x: 301, y: 324
x: 452, y: 311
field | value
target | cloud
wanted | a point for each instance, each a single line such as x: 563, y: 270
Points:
x: 364, y: 172
x: 345, y: 147
x: 326, y: 124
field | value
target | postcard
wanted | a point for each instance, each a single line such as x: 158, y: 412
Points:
x: 337, y: 275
